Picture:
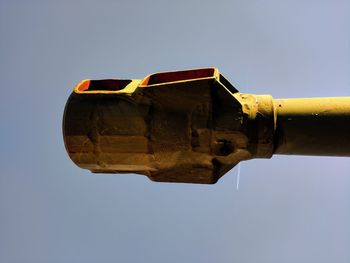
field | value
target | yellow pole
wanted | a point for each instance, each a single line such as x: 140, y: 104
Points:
x: 313, y: 126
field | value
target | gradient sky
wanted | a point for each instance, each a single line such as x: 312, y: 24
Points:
x: 288, y: 209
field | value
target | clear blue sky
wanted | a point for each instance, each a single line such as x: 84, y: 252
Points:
x: 288, y: 209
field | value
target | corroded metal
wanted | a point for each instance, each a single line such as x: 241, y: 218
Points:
x: 193, y: 126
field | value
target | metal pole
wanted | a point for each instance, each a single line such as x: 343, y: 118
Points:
x: 313, y: 126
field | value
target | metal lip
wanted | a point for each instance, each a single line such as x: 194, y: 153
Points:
x: 171, y: 77
x: 106, y: 86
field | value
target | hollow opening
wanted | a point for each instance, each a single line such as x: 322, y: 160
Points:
x: 104, y: 85
x: 164, y: 77
x: 227, y: 84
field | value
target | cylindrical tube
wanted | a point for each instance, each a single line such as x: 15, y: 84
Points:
x: 313, y: 126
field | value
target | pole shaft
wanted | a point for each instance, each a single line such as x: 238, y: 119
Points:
x: 313, y: 126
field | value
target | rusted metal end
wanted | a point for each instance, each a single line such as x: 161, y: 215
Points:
x: 188, y: 126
